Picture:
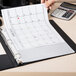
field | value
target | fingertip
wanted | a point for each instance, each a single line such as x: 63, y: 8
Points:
x: 50, y: 7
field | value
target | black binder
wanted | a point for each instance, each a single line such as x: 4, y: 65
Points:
x: 7, y: 61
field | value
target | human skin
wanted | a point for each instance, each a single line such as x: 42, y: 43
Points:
x: 48, y: 3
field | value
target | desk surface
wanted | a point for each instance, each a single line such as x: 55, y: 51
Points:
x: 60, y: 64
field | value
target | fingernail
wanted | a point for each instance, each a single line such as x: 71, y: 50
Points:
x: 50, y: 7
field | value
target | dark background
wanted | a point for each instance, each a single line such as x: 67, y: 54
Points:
x: 14, y: 3
x: 18, y: 2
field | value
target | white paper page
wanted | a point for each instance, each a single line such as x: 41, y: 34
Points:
x: 27, y: 28
x: 2, y: 51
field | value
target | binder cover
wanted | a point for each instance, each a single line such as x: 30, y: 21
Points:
x: 7, y: 61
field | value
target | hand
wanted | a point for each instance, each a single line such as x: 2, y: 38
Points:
x: 48, y: 3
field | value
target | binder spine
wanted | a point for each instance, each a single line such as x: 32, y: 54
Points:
x: 16, y: 55
x: 14, y: 52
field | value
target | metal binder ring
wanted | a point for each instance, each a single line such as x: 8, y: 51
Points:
x: 1, y: 21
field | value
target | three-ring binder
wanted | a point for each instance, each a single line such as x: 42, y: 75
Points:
x: 24, y: 55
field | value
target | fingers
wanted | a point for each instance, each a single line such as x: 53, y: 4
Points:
x: 49, y: 3
x: 50, y: 7
x: 42, y: 1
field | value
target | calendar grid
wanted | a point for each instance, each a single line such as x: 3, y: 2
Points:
x: 30, y: 30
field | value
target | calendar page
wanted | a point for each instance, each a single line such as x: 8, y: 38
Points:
x: 27, y: 29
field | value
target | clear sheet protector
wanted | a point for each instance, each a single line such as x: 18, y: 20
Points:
x: 29, y: 34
